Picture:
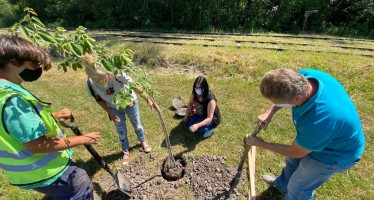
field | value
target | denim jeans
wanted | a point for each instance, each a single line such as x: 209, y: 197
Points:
x: 134, y: 114
x: 197, y: 119
x: 74, y: 184
x: 302, y: 176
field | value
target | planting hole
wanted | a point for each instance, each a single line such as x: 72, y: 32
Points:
x: 171, y: 171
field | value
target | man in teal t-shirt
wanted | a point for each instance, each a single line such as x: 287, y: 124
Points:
x: 329, y: 133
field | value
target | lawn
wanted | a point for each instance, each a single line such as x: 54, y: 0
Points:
x: 233, y: 75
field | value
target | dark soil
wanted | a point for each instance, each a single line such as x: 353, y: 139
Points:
x: 205, y: 177
x: 173, y: 170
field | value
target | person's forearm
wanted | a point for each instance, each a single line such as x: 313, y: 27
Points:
x: 204, y: 122
x: 272, y: 110
x: 47, y: 145
x: 103, y: 105
x: 278, y: 148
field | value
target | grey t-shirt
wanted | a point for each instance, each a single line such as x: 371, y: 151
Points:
x: 121, y: 80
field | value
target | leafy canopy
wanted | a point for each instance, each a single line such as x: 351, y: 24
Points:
x: 79, y: 49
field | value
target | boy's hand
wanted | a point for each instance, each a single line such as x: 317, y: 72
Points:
x: 92, y: 138
x: 62, y: 114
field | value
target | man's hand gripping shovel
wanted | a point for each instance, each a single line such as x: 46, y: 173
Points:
x: 250, y: 152
x: 120, y: 180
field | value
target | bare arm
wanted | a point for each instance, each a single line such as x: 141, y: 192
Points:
x: 61, y: 114
x: 47, y: 145
x: 150, y: 103
x: 211, y: 108
x: 105, y: 107
x: 266, y: 117
x: 293, y: 150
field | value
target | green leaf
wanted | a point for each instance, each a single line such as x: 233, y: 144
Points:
x: 24, y: 31
x: 76, y: 49
x: 107, y: 65
x: 76, y: 65
x: 81, y: 30
x: 77, y: 38
x: 91, y: 40
x: 147, y: 84
x: 126, y: 60
x: 45, y: 37
x: 63, y: 66
x: 117, y: 62
x: 37, y: 20
x: 26, y: 18
x: 31, y: 28
x: 59, y: 38
x: 38, y: 27
x: 60, y: 29
x: 60, y: 49
x: 130, y: 52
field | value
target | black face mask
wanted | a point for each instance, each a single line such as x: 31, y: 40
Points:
x: 31, y: 75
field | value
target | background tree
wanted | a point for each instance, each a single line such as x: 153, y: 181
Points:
x: 338, y: 17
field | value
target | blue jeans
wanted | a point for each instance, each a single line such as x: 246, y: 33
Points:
x: 197, y: 119
x: 74, y: 184
x: 134, y: 114
x: 302, y: 176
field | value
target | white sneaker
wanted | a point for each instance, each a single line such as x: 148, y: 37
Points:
x: 269, y: 180
x: 125, y: 158
x: 146, y: 148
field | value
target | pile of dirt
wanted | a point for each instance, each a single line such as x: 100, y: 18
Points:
x: 208, y: 177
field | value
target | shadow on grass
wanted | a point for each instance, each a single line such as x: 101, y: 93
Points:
x: 271, y: 193
x: 112, y: 195
x: 180, y: 135
x: 92, y: 166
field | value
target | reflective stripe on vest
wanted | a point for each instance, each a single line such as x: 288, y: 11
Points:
x: 21, y: 166
x: 38, y: 164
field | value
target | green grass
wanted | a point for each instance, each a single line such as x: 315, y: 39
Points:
x: 233, y: 75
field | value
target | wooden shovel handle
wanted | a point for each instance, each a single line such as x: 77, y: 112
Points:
x: 252, y: 167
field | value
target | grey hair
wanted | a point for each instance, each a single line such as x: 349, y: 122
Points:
x: 283, y: 84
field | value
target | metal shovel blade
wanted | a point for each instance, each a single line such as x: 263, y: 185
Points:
x: 122, y: 184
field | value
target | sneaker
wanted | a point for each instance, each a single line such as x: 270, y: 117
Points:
x: 269, y: 180
x: 146, y: 148
x: 125, y: 158
x: 208, y: 133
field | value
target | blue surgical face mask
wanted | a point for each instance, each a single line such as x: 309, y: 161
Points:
x: 199, y: 91
x: 284, y: 105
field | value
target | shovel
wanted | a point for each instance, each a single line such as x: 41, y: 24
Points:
x: 250, y: 152
x: 120, y: 180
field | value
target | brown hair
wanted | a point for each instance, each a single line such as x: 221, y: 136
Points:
x: 14, y: 48
x: 283, y: 84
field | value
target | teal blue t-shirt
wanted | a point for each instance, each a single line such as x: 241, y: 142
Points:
x: 328, y: 124
x: 22, y: 121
